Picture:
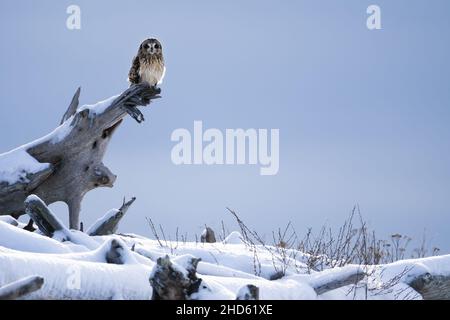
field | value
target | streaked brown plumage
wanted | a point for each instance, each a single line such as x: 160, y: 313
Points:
x: 148, y: 64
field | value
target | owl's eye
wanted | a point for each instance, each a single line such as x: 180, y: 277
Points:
x: 156, y: 46
x: 146, y: 46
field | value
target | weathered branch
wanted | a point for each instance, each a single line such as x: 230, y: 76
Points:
x: 8, y: 193
x: 21, y: 288
x: 72, y: 109
x: 109, y: 223
x: 74, y: 152
x: 432, y: 287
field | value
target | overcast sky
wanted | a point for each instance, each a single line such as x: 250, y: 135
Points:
x: 363, y: 115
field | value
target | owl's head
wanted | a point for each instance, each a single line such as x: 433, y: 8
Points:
x: 151, y: 47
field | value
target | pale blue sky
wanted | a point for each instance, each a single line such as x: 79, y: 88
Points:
x: 363, y: 115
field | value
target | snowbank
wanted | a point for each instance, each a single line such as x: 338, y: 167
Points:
x: 82, y: 270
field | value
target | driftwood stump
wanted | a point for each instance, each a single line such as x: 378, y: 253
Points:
x: 171, y: 283
x: 248, y: 292
x: 75, y: 160
x: 208, y: 236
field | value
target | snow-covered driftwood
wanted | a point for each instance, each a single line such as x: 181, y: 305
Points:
x: 67, y: 163
x: 109, y: 223
x: 20, y: 288
x: 208, y: 235
x: 46, y: 221
x: 76, y: 265
x: 50, y: 225
x: 9, y: 220
x: 106, y: 268
x: 110, y: 272
x: 248, y: 292
x: 171, y: 282
x: 328, y: 280
x: 432, y: 287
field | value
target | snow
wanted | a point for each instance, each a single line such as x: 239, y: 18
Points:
x: 77, y: 280
x: 321, y: 278
x: 183, y: 263
x: 18, y: 239
x: 98, y: 107
x: 234, y: 238
x: 9, y: 220
x: 210, y: 289
x: 78, y: 268
x: 15, y: 165
x: 59, y: 133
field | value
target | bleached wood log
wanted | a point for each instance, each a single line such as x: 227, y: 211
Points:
x: 45, y: 220
x: 331, y: 279
x: 432, y: 287
x: 20, y: 288
x: 109, y: 223
x: 75, y: 159
x: 50, y: 225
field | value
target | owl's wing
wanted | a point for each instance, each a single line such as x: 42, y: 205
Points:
x: 133, y: 75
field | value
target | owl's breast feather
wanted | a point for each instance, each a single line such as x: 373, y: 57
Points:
x: 152, y: 72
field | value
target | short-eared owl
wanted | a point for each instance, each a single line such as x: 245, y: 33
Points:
x: 148, y: 65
